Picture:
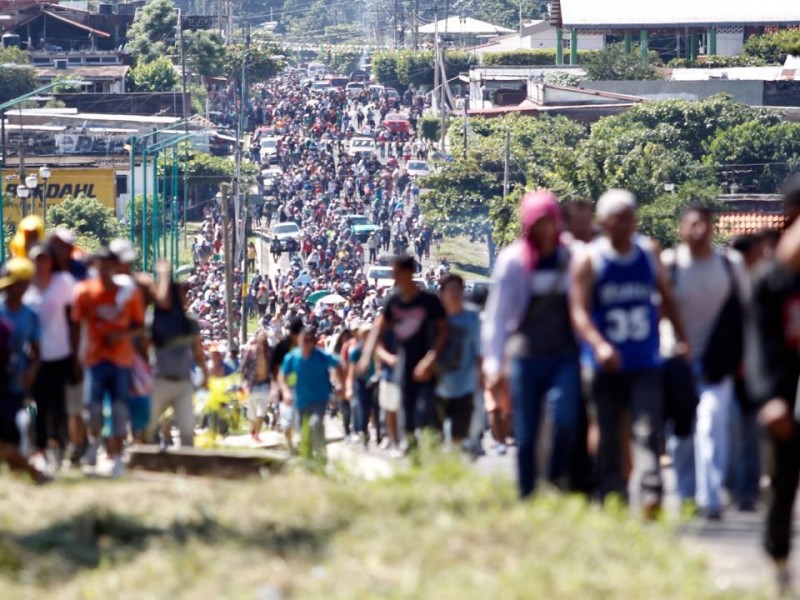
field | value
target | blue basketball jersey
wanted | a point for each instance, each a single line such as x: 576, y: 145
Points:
x: 623, y: 304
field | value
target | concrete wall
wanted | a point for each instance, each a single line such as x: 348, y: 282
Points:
x: 547, y: 39
x: 749, y: 92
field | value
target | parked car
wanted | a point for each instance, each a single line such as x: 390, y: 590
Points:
x: 361, y: 146
x: 396, y: 123
x: 283, y: 232
x: 418, y: 168
x: 385, y: 260
x: 361, y: 227
x: 392, y: 96
x: 381, y: 277
x: 354, y: 88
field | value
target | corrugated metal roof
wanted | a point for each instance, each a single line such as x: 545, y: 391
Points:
x: 466, y: 25
x: 676, y: 13
x: 731, y: 73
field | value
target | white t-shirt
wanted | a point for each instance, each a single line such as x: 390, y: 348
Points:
x: 51, y: 306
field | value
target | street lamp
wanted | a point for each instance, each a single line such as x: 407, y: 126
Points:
x: 44, y: 173
x: 22, y: 194
x: 32, y: 183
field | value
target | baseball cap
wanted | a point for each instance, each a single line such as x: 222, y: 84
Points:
x: 124, y: 250
x: 615, y: 202
x: 63, y: 235
x: 16, y: 270
x: 39, y: 250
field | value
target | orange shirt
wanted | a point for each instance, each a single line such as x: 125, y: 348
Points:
x: 100, y: 309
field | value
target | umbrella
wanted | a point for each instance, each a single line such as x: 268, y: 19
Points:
x: 312, y: 298
x: 332, y: 299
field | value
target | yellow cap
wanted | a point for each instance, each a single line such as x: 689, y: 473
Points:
x: 16, y: 270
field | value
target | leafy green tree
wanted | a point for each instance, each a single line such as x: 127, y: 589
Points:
x: 158, y: 75
x: 94, y: 225
x: 340, y: 60
x: 756, y: 156
x: 384, y: 68
x: 263, y: 61
x: 14, y: 55
x: 205, y: 52
x: 344, y: 34
x: 15, y: 82
x: 153, y: 30
x: 659, y: 218
x: 773, y: 47
x: 613, y: 63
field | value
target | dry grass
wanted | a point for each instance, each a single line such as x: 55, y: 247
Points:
x: 434, y: 532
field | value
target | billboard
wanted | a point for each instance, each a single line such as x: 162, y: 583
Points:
x: 95, y: 183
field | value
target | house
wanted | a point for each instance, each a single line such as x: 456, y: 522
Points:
x: 536, y: 35
x: 686, y: 27
x: 463, y: 31
x: 741, y: 214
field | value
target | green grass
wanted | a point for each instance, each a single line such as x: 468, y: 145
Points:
x: 468, y: 259
x: 440, y: 531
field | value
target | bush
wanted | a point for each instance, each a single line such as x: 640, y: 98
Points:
x: 717, y: 62
x: 402, y: 68
x: 615, y: 64
x: 773, y: 47
x: 429, y: 127
x: 543, y: 58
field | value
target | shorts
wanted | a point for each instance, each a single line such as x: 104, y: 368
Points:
x: 500, y: 402
x: 75, y: 399
x: 459, y: 411
x: 257, y: 401
x: 389, y: 396
x: 139, y: 410
x: 108, y: 378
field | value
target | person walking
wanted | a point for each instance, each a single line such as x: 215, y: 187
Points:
x: 362, y: 387
x: 703, y: 279
x: 419, y: 323
x: 614, y: 312
x: 256, y: 380
x: 529, y: 341
x: 772, y: 370
x: 305, y: 379
x: 52, y: 294
x: 178, y: 347
x: 112, y: 325
x: 460, y: 367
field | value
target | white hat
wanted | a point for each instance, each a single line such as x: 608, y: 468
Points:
x: 614, y: 202
x: 123, y: 250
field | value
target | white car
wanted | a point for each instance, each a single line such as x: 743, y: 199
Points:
x: 283, y: 232
x: 270, y: 177
x: 381, y: 277
x: 354, y: 88
x: 269, y: 147
x: 362, y: 146
x: 418, y: 168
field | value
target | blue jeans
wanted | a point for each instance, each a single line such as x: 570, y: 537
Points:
x: 745, y: 463
x: 530, y: 381
x: 108, y: 378
x: 712, y: 442
x: 682, y: 451
x: 366, y: 405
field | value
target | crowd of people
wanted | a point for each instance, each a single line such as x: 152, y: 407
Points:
x: 636, y: 357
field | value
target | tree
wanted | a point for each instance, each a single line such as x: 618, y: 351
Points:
x: 263, y: 61
x: 14, y: 55
x: 158, y: 75
x: 773, y: 47
x: 93, y: 224
x: 205, y: 52
x: 153, y: 30
x: 15, y: 82
x: 341, y: 60
x: 756, y: 156
x: 614, y: 63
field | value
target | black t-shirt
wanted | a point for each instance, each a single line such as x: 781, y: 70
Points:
x: 278, y: 354
x: 414, y: 326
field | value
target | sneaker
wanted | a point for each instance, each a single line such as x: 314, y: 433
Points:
x: 501, y: 449
x: 783, y: 579
x: 90, y: 457
x: 118, y: 469
x: 396, y: 453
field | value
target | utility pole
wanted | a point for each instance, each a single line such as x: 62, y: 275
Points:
x: 506, y: 160
x: 466, y: 107
x: 416, y: 25
x: 244, y: 206
x: 185, y: 131
x: 226, y: 245
x: 396, y: 12
x: 443, y: 114
x: 434, y: 99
